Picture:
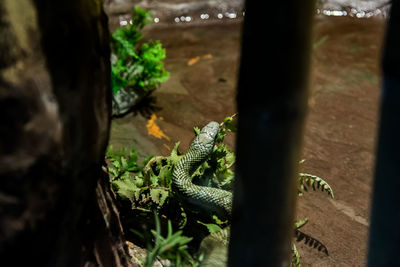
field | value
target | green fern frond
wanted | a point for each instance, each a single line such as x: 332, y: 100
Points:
x: 308, y: 180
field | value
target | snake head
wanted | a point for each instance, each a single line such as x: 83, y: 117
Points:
x: 208, y: 134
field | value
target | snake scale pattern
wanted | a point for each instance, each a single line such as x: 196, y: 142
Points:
x: 214, y: 200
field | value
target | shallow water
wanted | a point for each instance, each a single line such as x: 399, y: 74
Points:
x: 211, y: 12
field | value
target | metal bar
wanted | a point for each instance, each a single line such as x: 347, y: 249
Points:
x: 272, y: 105
x: 384, y: 239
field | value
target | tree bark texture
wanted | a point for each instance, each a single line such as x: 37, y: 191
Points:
x: 272, y: 105
x: 55, y: 106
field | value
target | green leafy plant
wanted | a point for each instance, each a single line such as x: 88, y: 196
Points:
x: 307, y: 181
x: 135, y: 66
x: 308, y: 240
x: 148, y: 188
x: 141, y: 186
x: 217, y: 170
x: 218, y: 230
x: 172, y: 247
x: 123, y: 170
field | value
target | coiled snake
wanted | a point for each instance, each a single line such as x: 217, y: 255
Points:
x: 212, y: 200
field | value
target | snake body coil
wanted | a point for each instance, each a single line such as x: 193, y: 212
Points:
x: 214, y: 200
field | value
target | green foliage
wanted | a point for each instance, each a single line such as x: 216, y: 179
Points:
x: 316, y: 183
x: 128, y: 181
x: 138, y: 67
x: 123, y: 161
x: 172, y: 247
x: 148, y: 188
x: 218, y: 230
x: 217, y: 170
x: 228, y: 125
x: 214, y: 227
x: 308, y: 180
x: 211, y: 227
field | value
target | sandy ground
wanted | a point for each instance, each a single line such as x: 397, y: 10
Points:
x: 340, y: 131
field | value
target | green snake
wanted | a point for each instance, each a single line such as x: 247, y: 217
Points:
x: 210, y: 199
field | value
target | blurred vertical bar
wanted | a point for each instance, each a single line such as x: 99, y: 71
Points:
x: 272, y: 105
x: 384, y: 239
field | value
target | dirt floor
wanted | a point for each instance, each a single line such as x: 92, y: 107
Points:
x: 340, y: 130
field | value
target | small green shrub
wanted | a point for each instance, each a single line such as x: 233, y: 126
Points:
x: 136, y: 66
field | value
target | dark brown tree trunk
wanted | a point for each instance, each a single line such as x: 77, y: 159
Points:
x: 54, y: 126
x: 272, y: 105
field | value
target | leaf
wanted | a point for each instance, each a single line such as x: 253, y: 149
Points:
x: 229, y: 158
x: 154, y: 179
x: 139, y: 69
x: 109, y: 152
x: 158, y: 195
x: 113, y: 171
x: 230, y: 123
x: 165, y: 176
x: 174, y: 157
x: 212, y: 228
x: 300, y: 223
x: 138, y: 181
x: 173, y: 247
x: 218, y: 221
x: 134, y: 168
x: 308, y: 180
x: 220, y: 162
x: 196, y: 130
x: 221, y: 135
x: 117, y: 165
x: 133, y: 157
x: 139, y: 234
x: 126, y: 188
x: 124, y: 164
